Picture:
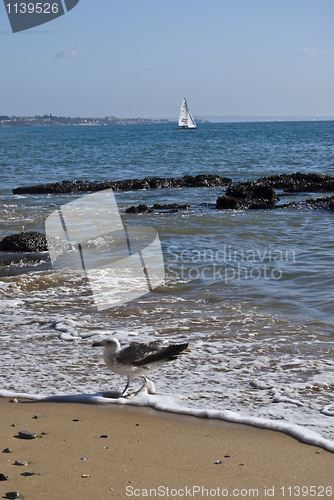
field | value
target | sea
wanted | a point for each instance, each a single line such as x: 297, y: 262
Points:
x: 251, y: 291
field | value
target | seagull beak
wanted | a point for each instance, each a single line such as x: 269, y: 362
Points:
x: 97, y: 344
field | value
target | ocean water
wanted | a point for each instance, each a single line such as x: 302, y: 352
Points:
x: 252, y: 291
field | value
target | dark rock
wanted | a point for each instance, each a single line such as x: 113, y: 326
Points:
x: 251, y: 189
x: 75, y: 186
x: 24, y: 242
x: 141, y: 209
x: 171, y: 207
x: 250, y: 195
x: 7, y: 450
x: 299, y: 182
x: 260, y: 193
x: 317, y: 203
x: 22, y: 463
x: 27, y: 435
x: 228, y: 202
x: 289, y: 182
x: 3, y: 477
x: 323, y: 203
x: 27, y: 474
x: 12, y: 494
x: 104, y: 436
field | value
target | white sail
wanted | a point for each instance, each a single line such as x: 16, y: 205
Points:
x: 191, y: 121
x: 185, y: 118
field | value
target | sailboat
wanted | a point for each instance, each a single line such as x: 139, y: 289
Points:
x: 185, y: 118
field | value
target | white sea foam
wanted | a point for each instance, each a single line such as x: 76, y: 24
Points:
x: 168, y: 404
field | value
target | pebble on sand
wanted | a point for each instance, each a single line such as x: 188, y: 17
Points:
x: 20, y: 462
x: 27, y: 435
x: 7, y: 450
x: 12, y: 494
x: 3, y: 477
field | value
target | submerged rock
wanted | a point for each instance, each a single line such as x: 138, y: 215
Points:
x: 140, y: 209
x: 299, y: 182
x: 31, y: 241
x: 171, y: 207
x: 324, y: 203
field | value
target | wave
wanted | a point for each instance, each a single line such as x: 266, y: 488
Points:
x: 167, y: 404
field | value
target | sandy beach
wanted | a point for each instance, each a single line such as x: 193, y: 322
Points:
x: 145, y: 453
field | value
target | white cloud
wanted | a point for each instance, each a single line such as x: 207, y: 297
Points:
x: 313, y: 52
x: 327, y: 52
x: 68, y: 52
x: 308, y: 52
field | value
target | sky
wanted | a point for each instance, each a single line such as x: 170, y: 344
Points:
x: 139, y: 58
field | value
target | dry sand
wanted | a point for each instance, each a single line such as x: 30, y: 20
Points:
x: 146, y: 450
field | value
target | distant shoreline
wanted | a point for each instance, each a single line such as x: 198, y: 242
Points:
x: 50, y: 120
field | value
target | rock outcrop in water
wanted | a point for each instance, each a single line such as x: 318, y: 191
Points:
x: 258, y: 194
x: 249, y: 194
x: 261, y: 193
x: 290, y: 183
x: 76, y: 186
x: 24, y: 242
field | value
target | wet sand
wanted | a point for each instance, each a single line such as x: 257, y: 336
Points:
x: 173, y: 456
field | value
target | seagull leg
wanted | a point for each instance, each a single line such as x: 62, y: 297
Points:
x: 150, y: 387
x: 144, y: 384
x: 126, y: 387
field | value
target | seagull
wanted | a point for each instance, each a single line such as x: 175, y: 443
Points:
x: 138, y: 359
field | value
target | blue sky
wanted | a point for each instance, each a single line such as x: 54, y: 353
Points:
x: 139, y: 58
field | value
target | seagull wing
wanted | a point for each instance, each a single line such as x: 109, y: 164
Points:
x: 136, y: 351
x: 139, y: 354
x: 161, y: 354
